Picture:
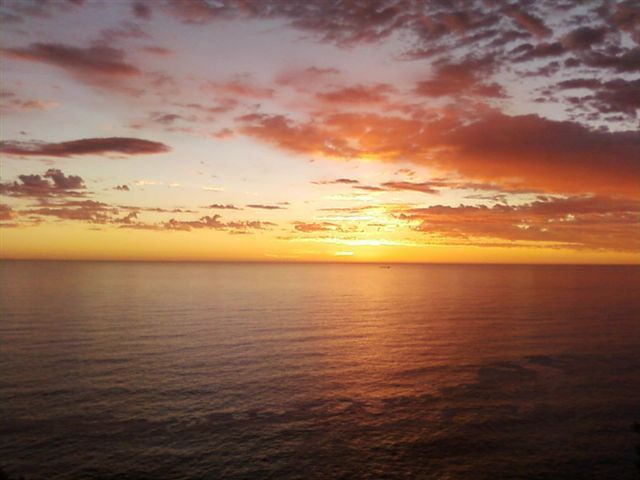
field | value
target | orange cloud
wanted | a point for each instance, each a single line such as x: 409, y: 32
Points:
x: 580, y: 222
x: 241, y: 87
x: 357, y: 94
x: 309, y: 227
x: 523, y: 152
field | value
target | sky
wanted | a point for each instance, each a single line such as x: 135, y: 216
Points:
x: 335, y: 130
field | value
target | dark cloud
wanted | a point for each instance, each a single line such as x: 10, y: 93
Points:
x: 53, y: 183
x: 340, y: 22
x: 166, y: 118
x: 346, y: 181
x: 61, y: 181
x: 99, y: 59
x: 583, y: 38
x: 618, y: 96
x: 141, y: 10
x: 15, y: 11
x: 627, y: 18
x: 219, y: 206
x: 207, y: 222
x: 89, y: 211
x: 265, y: 207
x: 589, y: 83
x: 122, y: 188
x: 468, y: 78
x: 532, y: 24
x: 622, y: 96
x: 528, y: 52
x: 85, y: 146
x: 626, y: 62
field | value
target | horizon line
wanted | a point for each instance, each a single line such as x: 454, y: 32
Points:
x: 313, y: 262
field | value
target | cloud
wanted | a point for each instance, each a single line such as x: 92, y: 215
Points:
x: 523, y: 152
x: 627, y: 18
x: 85, y: 146
x: 60, y: 181
x: 357, y: 94
x: 266, y: 207
x: 223, y: 133
x: 337, y: 181
x: 53, y: 183
x: 303, y: 78
x: 309, y: 227
x: 461, y: 79
x: 423, y: 187
x: 626, y: 62
x: 243, y: 87
x: 95, y: 60
x: 154, y: 209
x: 545, y: 154
x: 89, y: 211
x: 122, y: 188
x: 532, y: 24
x: 11, y: 102
x: 501, y: 33
x: 144, y: 182
x: 206, y: 222
x: 335, y: 135
x: 219, y: 206
x: 583, y: 38
x: 339, y: 22
x: 157, y: 50
x: 127, y: 216
x: 619, y: 95
x: 127, y: 30
x: 577, y: 222
x: 141, y: 10
x: 369, y: 188
x: 527, y: 52
x: 14, y: 11
x: 6, y: 212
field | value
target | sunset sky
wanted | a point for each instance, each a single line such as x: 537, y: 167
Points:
x: 397, y: 130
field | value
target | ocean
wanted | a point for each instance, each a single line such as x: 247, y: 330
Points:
x: 317, y: 371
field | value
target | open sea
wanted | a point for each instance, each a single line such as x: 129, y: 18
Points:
x: 285, y: 371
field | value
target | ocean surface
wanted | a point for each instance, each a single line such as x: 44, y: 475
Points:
x: 251, y: 371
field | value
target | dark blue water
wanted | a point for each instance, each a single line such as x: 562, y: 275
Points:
x: 142, y: 370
